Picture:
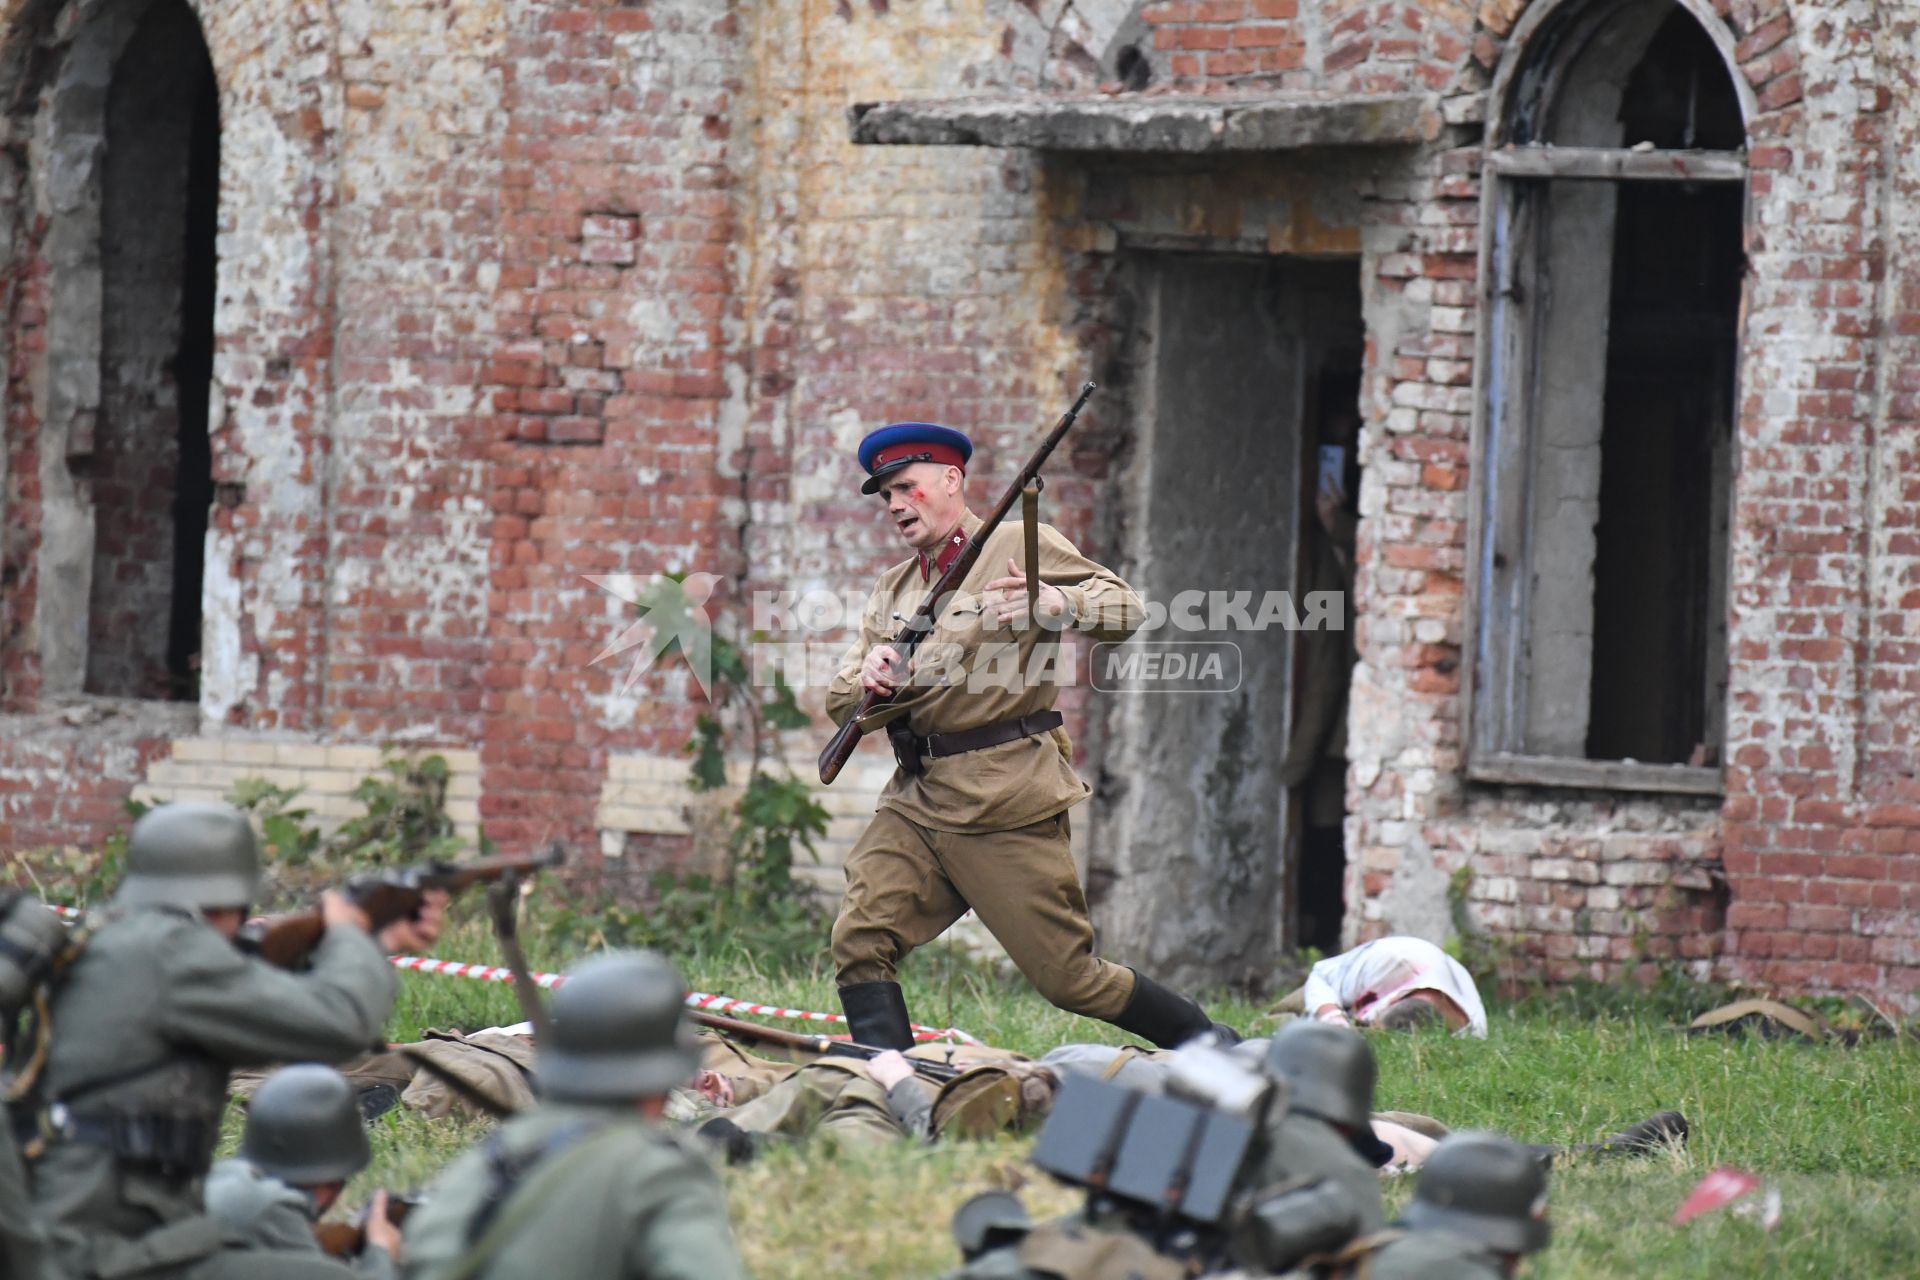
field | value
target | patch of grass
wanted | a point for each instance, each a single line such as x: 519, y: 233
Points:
x: 1833, y: 1128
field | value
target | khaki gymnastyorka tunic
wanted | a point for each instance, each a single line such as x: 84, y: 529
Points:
x: 983, y: 667
x: 985, y: 829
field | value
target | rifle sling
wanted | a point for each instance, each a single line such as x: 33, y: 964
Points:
x: 1030, y: 518
x: 508, y: 1206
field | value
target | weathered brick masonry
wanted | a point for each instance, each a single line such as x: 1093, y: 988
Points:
x: 513, y: 293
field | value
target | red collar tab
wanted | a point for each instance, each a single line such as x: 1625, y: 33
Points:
x: 949, y: 551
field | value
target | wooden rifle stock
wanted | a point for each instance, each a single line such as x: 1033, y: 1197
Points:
x: 938, y: 1072
x: 386, y: 896
x: 347, y: 1239
x: 841, y: 746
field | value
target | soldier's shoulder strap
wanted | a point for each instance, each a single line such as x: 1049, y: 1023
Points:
x: 1351, y: 1260
x: 514, y: 1198
x: 43, y: 966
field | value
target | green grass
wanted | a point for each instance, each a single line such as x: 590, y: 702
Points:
x: 1837, y: 1130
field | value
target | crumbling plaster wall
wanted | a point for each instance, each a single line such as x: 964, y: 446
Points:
x: 1817, y: 830
x: 518, y: 293
x: 277, y: 83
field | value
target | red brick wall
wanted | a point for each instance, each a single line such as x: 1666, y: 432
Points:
x: 554, y: 289
x: 606, y: 452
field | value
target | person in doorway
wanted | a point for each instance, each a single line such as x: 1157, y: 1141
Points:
x: 1315, y: 767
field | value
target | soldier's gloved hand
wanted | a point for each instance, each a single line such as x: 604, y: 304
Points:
x: 890, y: 1068
x: 733, y: 1142
x: 881, y: 672
x: 337, y: 908
x: 421, y: 931
x: 382, y: 1234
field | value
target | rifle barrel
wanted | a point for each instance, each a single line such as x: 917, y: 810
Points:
x: 940, y: 1072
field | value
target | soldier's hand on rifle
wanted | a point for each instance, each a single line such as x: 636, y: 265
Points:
x: 890, y: 1068
x: 422, y: 930
x: 881, y: 672
x: 337, y: 908
x: 381, y: 1233
x: 1007, y: 597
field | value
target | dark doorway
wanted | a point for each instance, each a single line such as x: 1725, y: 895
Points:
x: 1206, y: 852
x: 151, y: 467
x: 1316, y: 767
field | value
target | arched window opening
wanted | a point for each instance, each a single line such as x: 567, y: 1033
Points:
x: 1615, y: 198
x: 150, y: 467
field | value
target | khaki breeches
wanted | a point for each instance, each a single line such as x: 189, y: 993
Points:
x: 906, y: 884
x: 842, y: 1103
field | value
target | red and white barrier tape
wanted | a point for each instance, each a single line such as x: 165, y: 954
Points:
x: 695, y: 1000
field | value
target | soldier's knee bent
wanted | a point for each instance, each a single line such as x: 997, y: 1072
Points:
x: 862, y: 953
x: 1081, y: 990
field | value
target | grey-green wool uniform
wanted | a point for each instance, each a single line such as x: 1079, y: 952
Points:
x: 149, y: 1021
x: 1435, y: 1255
x: 262, y: 1215
x: 623, y: 1198
x: 1298, y: 1145
x: 1329, y: 1073
x: 585, y: 1186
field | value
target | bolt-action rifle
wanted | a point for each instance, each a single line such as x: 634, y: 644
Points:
x: 753, y: 1032
x: 386, y: 896
x: 347, y: 1239
x: 863, y: 719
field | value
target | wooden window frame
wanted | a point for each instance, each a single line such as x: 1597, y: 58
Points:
x: 1503, y: 383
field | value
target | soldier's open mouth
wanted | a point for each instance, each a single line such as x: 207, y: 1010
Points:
x: 909, y: 524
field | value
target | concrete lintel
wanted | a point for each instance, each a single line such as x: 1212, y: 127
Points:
x: 1136, y: 123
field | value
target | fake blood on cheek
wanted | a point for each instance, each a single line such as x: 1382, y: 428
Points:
x: 917, y: 494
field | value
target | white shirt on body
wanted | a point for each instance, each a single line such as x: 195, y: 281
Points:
x: 1365, y: 981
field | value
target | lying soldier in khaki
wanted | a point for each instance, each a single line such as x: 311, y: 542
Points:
x: 862, y: 1102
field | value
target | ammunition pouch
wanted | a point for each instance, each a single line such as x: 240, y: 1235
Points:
x: 175, y: 1146
x: 906, y: 747
x: 1283, y: 1226
x: 911, y: 752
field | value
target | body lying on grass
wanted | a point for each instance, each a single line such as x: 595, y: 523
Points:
x: 740, y: 1101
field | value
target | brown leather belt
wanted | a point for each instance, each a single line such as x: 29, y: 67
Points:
x: 936, y: 745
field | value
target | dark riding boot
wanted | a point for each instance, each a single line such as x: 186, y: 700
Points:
x: 1642, y: 1139
x: 877, y: 1015
x: 1166, y: 1017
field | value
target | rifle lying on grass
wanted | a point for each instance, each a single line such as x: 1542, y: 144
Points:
x: 754, y: 1033
x: 840, y: 748
x: 386, y: 896
x: 347, y: 1239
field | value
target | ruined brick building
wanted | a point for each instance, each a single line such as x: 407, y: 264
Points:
x: 342, y: 339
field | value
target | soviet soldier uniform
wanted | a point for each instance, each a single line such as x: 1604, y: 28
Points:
x: 983, y: 824
x: 149, y: 1020
x: 303, y: 1139
x: 586, y: 1184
